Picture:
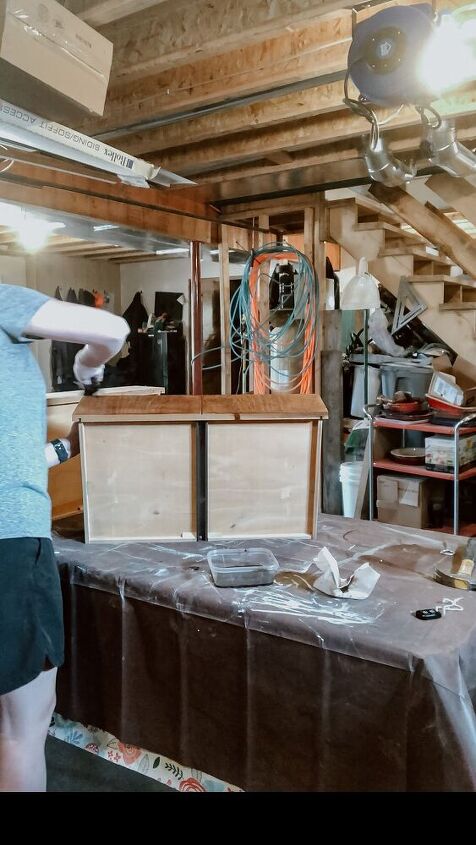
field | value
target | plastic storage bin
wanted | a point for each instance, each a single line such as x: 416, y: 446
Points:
x: 242, y: 567
x: 410, y: 377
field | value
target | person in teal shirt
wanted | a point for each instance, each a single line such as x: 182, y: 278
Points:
x: 31, y: 623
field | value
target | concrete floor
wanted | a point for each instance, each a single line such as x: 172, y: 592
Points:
x: 72, y: 769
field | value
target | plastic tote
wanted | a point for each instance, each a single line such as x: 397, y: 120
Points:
x: 349, y: 475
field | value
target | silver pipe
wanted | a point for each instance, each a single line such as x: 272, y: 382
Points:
x: 384, y: 167
x: 445, y: 151
x: 458, y: 425
x: 370, y: 417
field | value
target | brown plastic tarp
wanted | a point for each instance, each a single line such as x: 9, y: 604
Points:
x: 280, y: 687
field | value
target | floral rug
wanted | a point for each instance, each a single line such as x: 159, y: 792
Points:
x: 147, y: 763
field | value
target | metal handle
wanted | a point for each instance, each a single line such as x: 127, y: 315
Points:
x: 370, y: 416
x: 457, y: 427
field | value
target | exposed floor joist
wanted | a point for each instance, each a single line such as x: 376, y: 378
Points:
x: 290, y: 136
x: 294, y: 56
x: 170, y: 33
x: 100, y: 12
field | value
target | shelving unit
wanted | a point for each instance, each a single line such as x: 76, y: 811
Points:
x: 379, y: 448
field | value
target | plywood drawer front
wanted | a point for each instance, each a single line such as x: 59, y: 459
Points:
x: 261, y: 479
x: 139, y: 480
x: 64, y: 481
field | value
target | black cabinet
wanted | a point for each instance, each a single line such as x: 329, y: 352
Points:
x: 162, y: 361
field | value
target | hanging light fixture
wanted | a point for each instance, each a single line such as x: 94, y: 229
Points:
x: 33, y: 232
x: 362, y: 292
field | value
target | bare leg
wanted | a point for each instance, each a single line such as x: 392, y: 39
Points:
x: 25, y: 715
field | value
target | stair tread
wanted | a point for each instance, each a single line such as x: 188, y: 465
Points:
x: 447, y: 280
x: 382, y: 225
x: 417, y: 252
x: 458, y: 306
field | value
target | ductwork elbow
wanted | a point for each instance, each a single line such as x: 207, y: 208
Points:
x: 443, y: 150
x: 384, y: 167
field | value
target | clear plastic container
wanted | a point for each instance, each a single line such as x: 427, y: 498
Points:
x: 242, y: 567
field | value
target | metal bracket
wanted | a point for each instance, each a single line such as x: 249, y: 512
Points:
x: 407, y: 300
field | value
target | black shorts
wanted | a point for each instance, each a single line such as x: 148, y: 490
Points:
x: 31, y: 611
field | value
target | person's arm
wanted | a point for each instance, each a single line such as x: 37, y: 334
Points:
x: 61, y: 450
x: 103, y: 333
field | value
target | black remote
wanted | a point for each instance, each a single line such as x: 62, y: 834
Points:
x: 429, y: 613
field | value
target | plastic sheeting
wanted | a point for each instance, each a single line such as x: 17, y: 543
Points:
x: 277, y: 687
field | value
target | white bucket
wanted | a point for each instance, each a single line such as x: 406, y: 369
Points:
x: 349, y: 475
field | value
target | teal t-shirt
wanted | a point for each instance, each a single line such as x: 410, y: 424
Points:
x: 25, y: 508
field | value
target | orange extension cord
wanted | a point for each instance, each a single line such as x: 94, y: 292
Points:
x: 260, y: 380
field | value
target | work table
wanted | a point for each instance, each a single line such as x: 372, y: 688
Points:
x: 277, y: 687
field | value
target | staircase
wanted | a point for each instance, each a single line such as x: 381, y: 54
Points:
x: 367, y: 229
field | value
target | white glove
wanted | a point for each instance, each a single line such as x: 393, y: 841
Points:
x: 84, y: 375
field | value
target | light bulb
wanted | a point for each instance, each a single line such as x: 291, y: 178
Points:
x: 449, y: 57
x: 33, y: 233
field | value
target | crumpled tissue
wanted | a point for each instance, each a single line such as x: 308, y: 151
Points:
x: 359, y: 585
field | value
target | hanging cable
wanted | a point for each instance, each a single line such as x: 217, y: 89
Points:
x: 263, y: 340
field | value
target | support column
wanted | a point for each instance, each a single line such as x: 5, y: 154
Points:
x: 196, y: 318
x: 225, y: 310
x: 332, y: 395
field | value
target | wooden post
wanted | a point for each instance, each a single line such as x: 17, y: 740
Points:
x: 196, y: 319
x: 315, y: 231
x: 225, y: 310
x: 332, y: 394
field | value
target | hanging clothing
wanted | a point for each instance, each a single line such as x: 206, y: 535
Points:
x: 136, y: 315
x: 63, y: 355
x: 85, y: 297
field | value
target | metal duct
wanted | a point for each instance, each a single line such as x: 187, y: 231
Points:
x: 384, y: 167
x: 442, y: 149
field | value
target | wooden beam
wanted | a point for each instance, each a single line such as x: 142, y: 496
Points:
x: 86, y: 250
x: 246, y: 210
x: 168, y: 37
x: 100, y: 12
x: 296, y: 55
x: 123, y: 254
x: 313, y: 131
x: 225, y: 311
x: 180, y: 200
x: 107, y: 210
x: 135, y: 259
x: 404, y: 141
x: 432, y: 224
x: 295, y: 106
x: 315, y: 178
x: 458, y: 193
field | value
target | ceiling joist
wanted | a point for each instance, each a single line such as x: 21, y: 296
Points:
x: 296, y: 55
x: 289, y: 136
x: 170, y: 33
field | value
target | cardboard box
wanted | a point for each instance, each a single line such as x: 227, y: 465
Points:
x: 403, y: 500
x: 51, y: 62
x: 456, y: 384
x: 439, y: 452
